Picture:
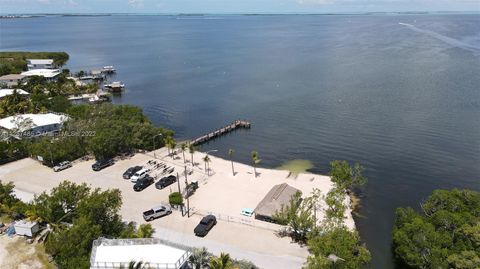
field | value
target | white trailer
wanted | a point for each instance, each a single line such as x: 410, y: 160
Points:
x: 26, y: 228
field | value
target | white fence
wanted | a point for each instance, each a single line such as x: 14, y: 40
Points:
x: 240, y: 219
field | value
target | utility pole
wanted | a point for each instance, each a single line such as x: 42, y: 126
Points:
x: 188, y: 196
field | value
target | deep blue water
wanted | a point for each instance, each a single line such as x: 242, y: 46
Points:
x: 404, y: 101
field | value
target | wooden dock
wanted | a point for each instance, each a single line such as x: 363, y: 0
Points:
x: 226, y: 129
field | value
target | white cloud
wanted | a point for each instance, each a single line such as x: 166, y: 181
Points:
x: 44, y: 1
x: 136, y: 3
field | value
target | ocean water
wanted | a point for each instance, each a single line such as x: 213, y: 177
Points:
x: 399, y: 94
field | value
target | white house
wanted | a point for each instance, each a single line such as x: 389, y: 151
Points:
x: 31, y: 125
x: 26, y: 228
x: 155, y: 252
x: 7, y: 92
x: 12, y: 80
x: 49, y: 74
x: 40, y: 64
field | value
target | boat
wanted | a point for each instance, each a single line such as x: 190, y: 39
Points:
x: 114, y: 86
x: 108, y: 69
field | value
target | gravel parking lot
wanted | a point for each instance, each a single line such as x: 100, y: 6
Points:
x: 221, y: 193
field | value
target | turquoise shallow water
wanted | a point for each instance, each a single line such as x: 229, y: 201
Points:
x: 403, y: 101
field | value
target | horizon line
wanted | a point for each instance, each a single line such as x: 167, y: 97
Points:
x: 234, y: 13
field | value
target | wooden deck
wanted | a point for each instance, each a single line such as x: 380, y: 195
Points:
x: 226, y: 129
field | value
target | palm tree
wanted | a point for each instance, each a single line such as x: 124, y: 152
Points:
x: 222, y: 262
x: 255, y: 161
x: 199, y: 258
x: 173, y: 144
x: 230, y: 153
x: 206, y: 159
x: 184, y: 147
x: 168, y: 143
x: 135, y: 265
x: 191, y: 149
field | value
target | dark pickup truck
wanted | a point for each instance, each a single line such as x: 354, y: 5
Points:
x: 143, y: 183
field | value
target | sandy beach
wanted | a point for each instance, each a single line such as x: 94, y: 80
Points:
x: 222, y: 194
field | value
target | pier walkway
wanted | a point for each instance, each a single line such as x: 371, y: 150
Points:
x: 226, y: 129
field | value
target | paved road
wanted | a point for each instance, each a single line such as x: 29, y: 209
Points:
x: 266, y: 261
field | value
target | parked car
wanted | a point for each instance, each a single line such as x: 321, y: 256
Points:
x: 143, y: 183
x: 191, y: 188
x: 131, y: 171
x: 165, y: 181
x: 205, y: 225
x: 62, y: 166
x: 99, y: 165
x: 157, y: 212
x: 139, y: 175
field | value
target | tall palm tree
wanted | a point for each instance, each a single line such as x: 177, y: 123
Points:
x: 199, y: 258
x: 168, y: 143
x: 173, y: 144
x: 184, y: 147
x: 255, y: 161
x: 230, y: 153
x: 222, y: 262
x: 206, y: 160
x: 191, y: 149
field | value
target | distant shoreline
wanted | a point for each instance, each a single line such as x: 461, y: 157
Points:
x: 37, y: 15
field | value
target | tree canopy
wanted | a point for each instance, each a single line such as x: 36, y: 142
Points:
x: 76, y: 215
x: 445, y: 235
x: 342, y: 243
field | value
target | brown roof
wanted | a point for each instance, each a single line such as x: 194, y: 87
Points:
x: 272, y: 202
x: 12, y: 77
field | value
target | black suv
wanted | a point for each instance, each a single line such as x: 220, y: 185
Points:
x: 143, y: 183
x: 165, y: 181
x: 130, y: 171
x: 99, y: 165
x: 205, y: 225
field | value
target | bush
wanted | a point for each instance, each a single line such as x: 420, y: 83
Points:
x: 175, y: 198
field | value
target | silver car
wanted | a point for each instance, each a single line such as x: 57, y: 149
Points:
x: 157, y: 212
x: 62, y: 166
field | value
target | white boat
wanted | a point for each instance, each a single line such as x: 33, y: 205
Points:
x: 115, y: 86
x: 108, y: 69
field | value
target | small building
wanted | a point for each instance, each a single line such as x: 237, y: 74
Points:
x: 49, y: 74
x: 12, y: 80
x: 33, y: 64
x: 31, y: 125
x: 154, y: 252
x: 26, y: 228
x: 277, y: 197
x: 7, y: 92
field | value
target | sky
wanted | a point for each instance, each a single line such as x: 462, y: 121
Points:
x: 233, y: 6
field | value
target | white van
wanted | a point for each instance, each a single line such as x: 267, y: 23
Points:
x: 139, y: 175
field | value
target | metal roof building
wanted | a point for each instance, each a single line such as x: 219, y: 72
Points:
x: 46, y: 73
x: 33, y: 64
x: 7, y: 92
x: 32, y: 125
x: 154, y: 252
x: 12, y: 79
x: 277, y: 197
